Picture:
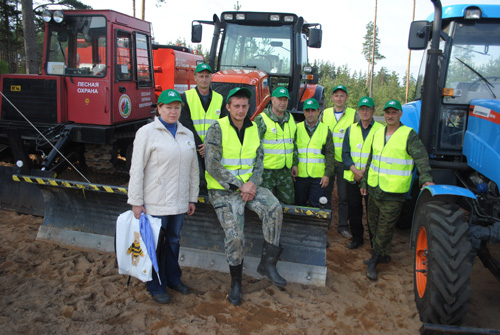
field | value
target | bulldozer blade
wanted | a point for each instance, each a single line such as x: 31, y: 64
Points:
x: 19, y: 197
x: 83, y: 216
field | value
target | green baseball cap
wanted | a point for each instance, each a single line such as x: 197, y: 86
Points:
x: 169, y: 96
x: 394, y: 104
x: 281, y: 92
x: 366, y: 101
x: 311, y: 104
x: 203, y: 67
x: 340, y: 87
x: 244, y: 90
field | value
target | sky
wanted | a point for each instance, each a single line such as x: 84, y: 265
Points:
x: 343, y: 23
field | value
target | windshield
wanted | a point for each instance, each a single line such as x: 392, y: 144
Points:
x: 77, y: 47
x: 474, y: 67
x: 263, y: 48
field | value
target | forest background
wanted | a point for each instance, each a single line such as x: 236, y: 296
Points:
x: 386, y: 84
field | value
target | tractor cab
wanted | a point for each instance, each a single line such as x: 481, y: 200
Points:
x: 263, y: 51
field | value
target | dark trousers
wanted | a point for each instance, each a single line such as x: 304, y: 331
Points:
x: 308, y: 189
x: 355, y: 206
x: 343, y: 210
x: 167, y: 253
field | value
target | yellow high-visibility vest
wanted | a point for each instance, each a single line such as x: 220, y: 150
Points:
x: 278, y: 143
x: 237, y: 158
x: 311, y: 159
x: 391, y: 166
x: 203, y: 120
x: 338, y: 128
x: 360, y: 148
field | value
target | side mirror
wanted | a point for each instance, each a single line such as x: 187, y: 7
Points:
x: 315, y: 36
x: 196, y: 32
x: 420, y: 32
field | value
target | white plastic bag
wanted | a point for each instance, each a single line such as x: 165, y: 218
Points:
x: 131, y: 252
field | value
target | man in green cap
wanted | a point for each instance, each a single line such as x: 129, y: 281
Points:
x: 202, y: 107
x: 338, y: 118
x: 355, y: 151
x: 314, y: 147
x: 234, y: 160
x: 277, y: 132
x: 396, y: 151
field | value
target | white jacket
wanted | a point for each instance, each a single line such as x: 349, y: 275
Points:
x: 164, y: 175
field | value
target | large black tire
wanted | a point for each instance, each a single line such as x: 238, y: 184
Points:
x: 442, y: 264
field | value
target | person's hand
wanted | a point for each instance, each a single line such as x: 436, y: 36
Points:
x: 358, y: 174
x: 201, y: 150
x: 363, y: 192
x: 324, y: 181
x: 295, y: 172
x: 429, y: 183
x: 138, y: 210
x: 248, y: 191
x: 191, y: 209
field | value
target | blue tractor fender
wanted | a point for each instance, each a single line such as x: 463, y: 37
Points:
x: 446, y: 193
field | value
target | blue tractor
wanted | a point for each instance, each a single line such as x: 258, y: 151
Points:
x: 457, y: 115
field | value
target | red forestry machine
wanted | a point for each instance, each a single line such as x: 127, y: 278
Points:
x: 100, y: 77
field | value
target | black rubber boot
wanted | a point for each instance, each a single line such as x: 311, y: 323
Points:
x: 371, y: 270
x: 234, y: 296
x: 381, y: 260
x: 267, y: 265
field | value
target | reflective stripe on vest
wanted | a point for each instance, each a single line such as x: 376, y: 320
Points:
x: 278, y: 143
x: 238, y: 159
x: 338, y: 128
x: 311, y: 159
x: 360, y: 149
x: 391, y: 167
x: 203, y: 120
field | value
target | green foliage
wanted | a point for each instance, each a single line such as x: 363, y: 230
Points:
x: 386, y: 86
x: 368, y: 44
x: 4, y: 67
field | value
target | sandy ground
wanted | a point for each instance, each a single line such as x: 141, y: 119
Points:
x: 47, y: 289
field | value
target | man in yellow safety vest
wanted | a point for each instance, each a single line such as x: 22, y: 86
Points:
x: 355, y: 151
x: 234, y: 160
x: 338, y: 118
x: 396, y: 150
x: 202, y: 107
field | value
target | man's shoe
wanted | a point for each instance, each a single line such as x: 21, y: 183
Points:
x: 386, y: 259
x: 181, y: 288
x: 345, y: 233
x: 161, y: 298
x: 355, y: 244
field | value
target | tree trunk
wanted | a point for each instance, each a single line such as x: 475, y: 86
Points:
x: 133, y: 8
x: 29, y: 37
x: 409, y: 59
x: 143, y: 9
x: 373, y: 49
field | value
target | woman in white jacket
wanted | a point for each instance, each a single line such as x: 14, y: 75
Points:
x: 164, y: 181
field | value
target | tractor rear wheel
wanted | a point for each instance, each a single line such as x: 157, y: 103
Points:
x: 442, y: 264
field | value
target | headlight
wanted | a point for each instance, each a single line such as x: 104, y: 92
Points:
x: 228, y: 17
x: 240, y: 16
x: 58, y: 16
x: 472, y: 13
x: 288, y: 18
x: 46, y: 15
x: 274, y: 18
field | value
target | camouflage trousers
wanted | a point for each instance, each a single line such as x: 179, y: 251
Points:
x: 382, y: 216
x: 230, y: 209
x: 280, y: 183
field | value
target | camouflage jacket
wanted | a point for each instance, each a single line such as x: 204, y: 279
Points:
x: 213, y: 158
x: 416, y: 150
